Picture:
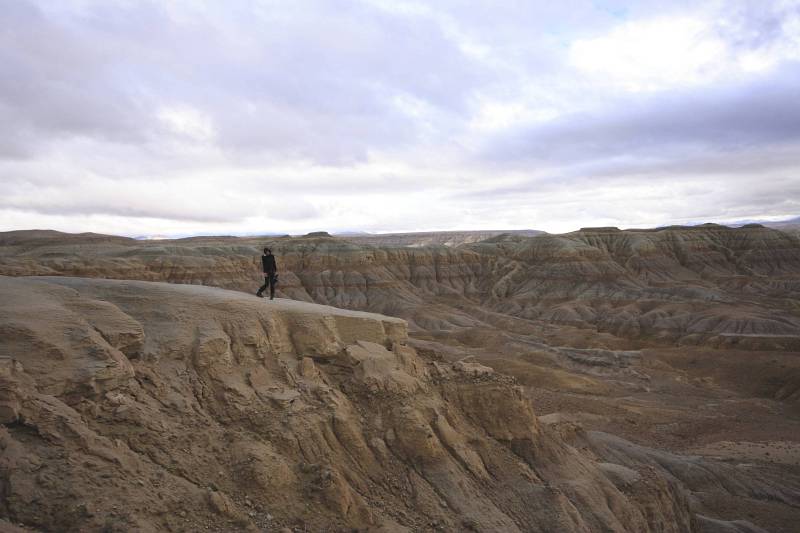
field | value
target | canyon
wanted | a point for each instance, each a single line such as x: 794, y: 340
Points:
x: 599, y: 380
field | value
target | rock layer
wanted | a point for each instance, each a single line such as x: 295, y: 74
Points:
x: 707, y: 284
x: 148, y: 406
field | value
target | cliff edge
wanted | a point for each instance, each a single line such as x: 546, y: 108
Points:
x: 138, y: 406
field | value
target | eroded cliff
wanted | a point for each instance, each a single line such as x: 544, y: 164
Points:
x: 707, y: 285
x: 131, y: 405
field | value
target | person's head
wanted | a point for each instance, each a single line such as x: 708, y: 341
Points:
x: 267, y: 251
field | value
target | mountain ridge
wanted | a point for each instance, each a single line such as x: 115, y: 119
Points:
x: 596, y: 278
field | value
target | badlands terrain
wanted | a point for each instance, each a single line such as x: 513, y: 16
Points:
x: 599, y: 380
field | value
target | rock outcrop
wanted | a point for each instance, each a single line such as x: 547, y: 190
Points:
x: 130, y: 405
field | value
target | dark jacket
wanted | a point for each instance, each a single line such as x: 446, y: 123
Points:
x: 269, y: 264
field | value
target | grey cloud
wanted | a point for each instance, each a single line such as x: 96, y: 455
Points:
x: 216, y: 201
x: 328, y: 85
x: 310, y: 80
x: 665, y: 126
x: 162, y: 212
x: 748, y: 161
x: 119, y: 201
x: 750, y: 24
x: 53, y: 83
x: 171, y: 210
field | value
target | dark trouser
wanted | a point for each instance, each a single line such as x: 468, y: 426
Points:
x: 269, y: 281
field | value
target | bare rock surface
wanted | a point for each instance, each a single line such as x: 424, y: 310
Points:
x: 149, y: 406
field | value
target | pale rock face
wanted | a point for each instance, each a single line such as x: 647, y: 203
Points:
x: 473, y: 369
x: 383, y: 370
x: 82, y: 340
x: 199, y: 407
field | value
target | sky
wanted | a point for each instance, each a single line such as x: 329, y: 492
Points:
x: 256, y: 116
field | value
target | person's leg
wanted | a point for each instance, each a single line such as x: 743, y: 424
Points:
x: 263, y: 287
x: 272, y: 286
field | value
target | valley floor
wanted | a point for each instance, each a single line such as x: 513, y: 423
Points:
x: 739, y: 408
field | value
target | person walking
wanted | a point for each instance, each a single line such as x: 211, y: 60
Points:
x: 270, y: 274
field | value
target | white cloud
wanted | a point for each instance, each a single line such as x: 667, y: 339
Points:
x: 188, y: 122
x: 701, y: 47
x: 496, y: 115
x: 652, y: 54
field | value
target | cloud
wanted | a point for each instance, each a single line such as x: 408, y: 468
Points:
x: 54, y: 83
x: 672, y: 126
x: 651, y: 55
x: 314, y: 81
x: 187, y: 121
x: 211, y: 200
x: 382, y: 115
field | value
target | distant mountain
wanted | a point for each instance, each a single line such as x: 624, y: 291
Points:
x: 791, y: 226
x: 41, y: 237
x: 434, y: 238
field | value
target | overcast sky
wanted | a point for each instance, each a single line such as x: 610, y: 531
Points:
x: 185, y: 117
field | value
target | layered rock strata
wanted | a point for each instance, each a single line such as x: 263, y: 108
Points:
x: 702, y: 285
x: 143, y: 406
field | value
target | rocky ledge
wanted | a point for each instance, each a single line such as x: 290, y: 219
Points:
x: 138, y: 406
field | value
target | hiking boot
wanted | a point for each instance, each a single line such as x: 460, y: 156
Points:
x: 259, y: 295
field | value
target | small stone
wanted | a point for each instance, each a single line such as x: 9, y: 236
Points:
x: 221, y: 503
